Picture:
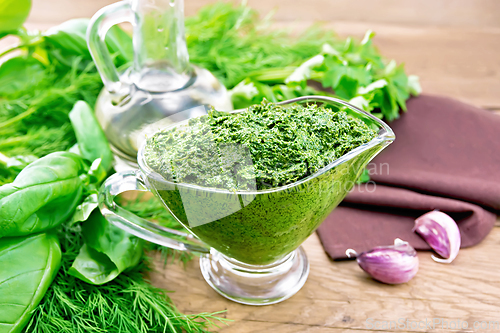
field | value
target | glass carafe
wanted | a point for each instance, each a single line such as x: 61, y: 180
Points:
x: 161, y: 87
x: 250, y: 240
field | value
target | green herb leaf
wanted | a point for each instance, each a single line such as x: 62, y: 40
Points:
x: 42, y: 196
x: 29, y: 264
x: 13, y: 13
x: 108, y: 251
x: 70, y: 37
x: 97, y: 173
x: 91, y: 139
x: 83, y: 210
x: 37, y: 121
x: 93, y: 267
x: 266, y: 146
x: 244, y: 90
x: 18, y: 74
x: 129, y: 303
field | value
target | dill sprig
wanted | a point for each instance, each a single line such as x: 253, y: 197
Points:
x: 37, y: 122
x: 129, y: 303
x: 233, y: 43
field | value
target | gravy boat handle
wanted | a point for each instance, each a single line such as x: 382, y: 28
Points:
x: 131, y: 180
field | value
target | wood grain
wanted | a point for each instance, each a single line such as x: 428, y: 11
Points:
x: 454, y: 47
x: 456, y: 13
x: 338, y: 295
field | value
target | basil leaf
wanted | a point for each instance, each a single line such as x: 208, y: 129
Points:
x: 93, y: 267
x: 18, y: 74
x: 108, y: 251
x: 43, y: 195
x: 97, y: 173
x: 13, y: 13
x: 29, y: 264
x: 70, y: 36
x: 91, y: 139
x: 86, y: 208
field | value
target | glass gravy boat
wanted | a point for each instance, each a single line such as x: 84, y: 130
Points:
x: 249, y: 240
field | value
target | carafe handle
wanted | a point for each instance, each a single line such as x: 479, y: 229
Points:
x: 131, y: 180
x: 99, y: 25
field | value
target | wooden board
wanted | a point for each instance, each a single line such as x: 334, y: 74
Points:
x: 338, y: 295
x: 456, y: 13
x: 454, y: 47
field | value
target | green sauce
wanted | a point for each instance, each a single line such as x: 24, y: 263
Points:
x: 264, y: 148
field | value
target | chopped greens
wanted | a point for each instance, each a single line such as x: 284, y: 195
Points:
x: 266, y: 146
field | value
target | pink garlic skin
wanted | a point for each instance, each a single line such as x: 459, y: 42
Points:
x: 390, y: 264
x: 442, y: 234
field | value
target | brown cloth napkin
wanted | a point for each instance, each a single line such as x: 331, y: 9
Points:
x: 446, y: 156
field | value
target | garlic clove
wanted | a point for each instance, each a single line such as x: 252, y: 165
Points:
x: 390, y: 264
x: 441, y: 232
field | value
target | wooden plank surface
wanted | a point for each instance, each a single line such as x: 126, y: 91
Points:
x: 459, y: 61
x: 454, y: 47
x: 456, y: 13
x: 338, y: 295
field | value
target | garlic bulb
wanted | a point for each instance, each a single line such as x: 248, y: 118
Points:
x: 390, y: 264
x: 442, y: 234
